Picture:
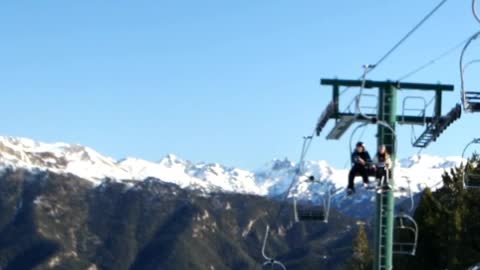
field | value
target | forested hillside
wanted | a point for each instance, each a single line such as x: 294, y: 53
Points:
x: 449, y: 225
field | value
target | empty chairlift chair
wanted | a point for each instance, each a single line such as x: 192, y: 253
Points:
x: 405, y: 230
x: 367, y: 104
x: 470, y: 99
x: 309, y: 212
x: 313, y: 211
x: 405, y: 235
x: 418, y: 108
x: 471, y: 175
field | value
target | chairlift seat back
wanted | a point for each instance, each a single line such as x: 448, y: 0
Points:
x: 404, y: 248
x: 472, y: 100
x: 472, y: 179
x: 405, y: 235
x: 311, y: 213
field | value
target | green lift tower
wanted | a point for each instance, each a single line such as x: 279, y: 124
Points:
x: 387, y: 113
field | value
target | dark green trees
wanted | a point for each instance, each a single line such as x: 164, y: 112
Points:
x: 449, y: 226
x: 362, y: 255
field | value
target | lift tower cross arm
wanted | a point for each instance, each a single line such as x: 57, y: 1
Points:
x: 436, y: 124
x: 387, y: 114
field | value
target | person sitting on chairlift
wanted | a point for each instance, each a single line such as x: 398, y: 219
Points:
x: 383, y: 164
x: 361, y: 165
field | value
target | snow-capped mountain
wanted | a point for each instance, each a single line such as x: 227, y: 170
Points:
x: 89, y: 164
x: 59, y: 157
x: 272, y: 179
x: 208, y: 177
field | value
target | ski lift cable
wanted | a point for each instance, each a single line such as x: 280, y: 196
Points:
x: 415, y: 28
x: 433, y: 60
x: 470, y: 63
x: 403, y: 39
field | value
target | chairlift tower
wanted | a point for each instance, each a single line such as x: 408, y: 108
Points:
x: 387, y: 114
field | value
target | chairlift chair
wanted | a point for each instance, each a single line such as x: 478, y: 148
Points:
x: 405, y: 230
x: 369, y: 107
x: 313, y: 211
x: 370, y: 171
x: 405, y: 235
x: 419, y: 110
x: 470, y: 99
x: 471, y: 174
x: 310, y: 213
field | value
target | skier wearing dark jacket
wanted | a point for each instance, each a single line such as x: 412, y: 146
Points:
x: 361, y: 162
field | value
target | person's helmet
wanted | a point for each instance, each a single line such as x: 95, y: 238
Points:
x: 360, y: 144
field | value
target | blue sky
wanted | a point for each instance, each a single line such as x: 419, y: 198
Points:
x: 235, y: 82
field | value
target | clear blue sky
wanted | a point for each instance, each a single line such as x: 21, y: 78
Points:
x: 235, y: 82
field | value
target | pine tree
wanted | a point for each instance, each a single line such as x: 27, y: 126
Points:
x: 449, y: 223
x: 362, y: 255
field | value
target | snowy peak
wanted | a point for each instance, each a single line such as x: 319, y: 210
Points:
x: 281, y: 165
x: 272, y: 179
x: 29, y: 151
x: 59, y: 157
x: 276, y: 177
x: 91, y: 165
x: 171, y: 160
x: 429, y: 162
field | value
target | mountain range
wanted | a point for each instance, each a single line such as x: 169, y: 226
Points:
x: 65, y: 206
x: 272, y: 179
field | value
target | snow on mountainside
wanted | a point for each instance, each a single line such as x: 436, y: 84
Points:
x: 273, y: 179
x: 58, y: 157
x: 208, y: 177
x: 87, y: 163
